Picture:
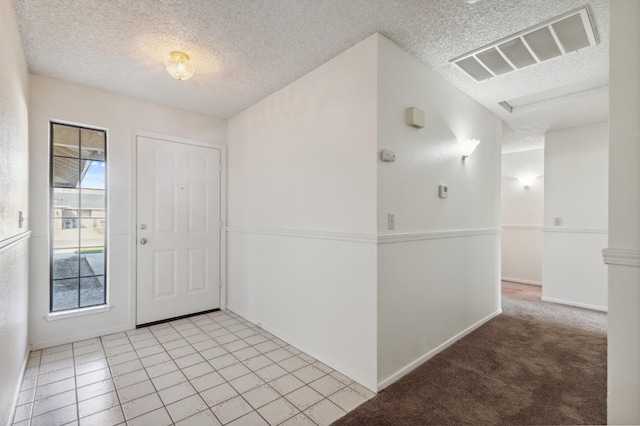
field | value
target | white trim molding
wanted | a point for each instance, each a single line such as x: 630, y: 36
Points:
x: 7, y: 243
x: 519, y: 281
x: 424, y: 358
x: 622, y: 257
x: 301, y: 346
x: 438, y: 235
x: 54, y: 316
x: 336, y: 236
x: 365, y: 238
x: 577, y: 304
x: 562, y: 230
x: 524, y: 227
x: 18, y: 386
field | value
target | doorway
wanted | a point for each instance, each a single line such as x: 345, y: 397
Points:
x: 178, y: 229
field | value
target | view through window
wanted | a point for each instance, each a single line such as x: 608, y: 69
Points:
x: 78, y: 217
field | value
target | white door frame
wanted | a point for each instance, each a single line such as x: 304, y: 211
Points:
x: 133, y: 265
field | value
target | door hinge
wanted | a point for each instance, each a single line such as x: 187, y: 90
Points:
x: 221, y: 167
x: 220, y: 282
x: 221, y: 225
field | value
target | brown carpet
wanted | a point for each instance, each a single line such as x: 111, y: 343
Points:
x: 537, y: 363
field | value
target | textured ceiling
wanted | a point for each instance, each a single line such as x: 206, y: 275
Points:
x: 244, y: 50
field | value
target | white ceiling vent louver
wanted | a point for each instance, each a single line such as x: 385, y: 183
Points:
x: 550, y: 39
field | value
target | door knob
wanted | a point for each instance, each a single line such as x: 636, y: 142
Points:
x: 143, y: 241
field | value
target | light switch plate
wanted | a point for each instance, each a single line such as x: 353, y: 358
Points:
x: 443, y: 191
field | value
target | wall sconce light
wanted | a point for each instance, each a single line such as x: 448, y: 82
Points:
x: 179, y: 67
x: 527, y: 180
x: 467, y: 146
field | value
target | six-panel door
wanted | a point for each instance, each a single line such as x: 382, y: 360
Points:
x: 178, y: 229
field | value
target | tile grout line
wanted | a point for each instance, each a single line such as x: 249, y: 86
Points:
x: 252, y: 372
x: 150, y: 381
x: 279, y: 343
x: 114, y: 387
x: 75, y: 381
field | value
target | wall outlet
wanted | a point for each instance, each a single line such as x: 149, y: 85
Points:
x: 391, y: 221
x: 557, y: 221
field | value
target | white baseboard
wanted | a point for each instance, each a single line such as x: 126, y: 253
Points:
x: 302, y: 347
x: 16, y: 393
x: 75, y: 338
x: 519, y: 281
x: 577, y: 304
x: 424, y: 358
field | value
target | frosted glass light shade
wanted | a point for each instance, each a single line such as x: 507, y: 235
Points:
x: 179, y: 67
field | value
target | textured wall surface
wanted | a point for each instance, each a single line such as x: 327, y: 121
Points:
x: 120, y: 115
x: 14, y: 169
x: 624, y: 216
x: 522, y: 211
x: 432, y: 288
x: 302, y: 180
x: 576, y: 191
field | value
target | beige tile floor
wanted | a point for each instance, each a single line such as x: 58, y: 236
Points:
x: 209, y: 369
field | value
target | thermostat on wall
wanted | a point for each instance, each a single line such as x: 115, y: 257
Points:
x: 387, y: 155
x: 443, y: 191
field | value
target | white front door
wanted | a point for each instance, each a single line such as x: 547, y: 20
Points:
x: 178, y: 229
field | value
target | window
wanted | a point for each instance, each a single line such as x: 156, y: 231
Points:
x: 78, y: 217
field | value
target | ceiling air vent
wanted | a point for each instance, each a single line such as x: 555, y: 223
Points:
x: 550, y: 39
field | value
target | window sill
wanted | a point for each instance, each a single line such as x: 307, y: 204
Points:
x: 54, y: 316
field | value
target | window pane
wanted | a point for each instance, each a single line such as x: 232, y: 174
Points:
x: 65, y: 202
x: 93, y: 203
x: 65, y: 263
x: 66, y: 172
x: 91, y: 237
x: 92, y: 144
x: 64, y: 294
x: 65, y: 140
x: 93, y: 174
x: 91, y: 261
x: 66, y: 233
x: 92, y: 291
x: 78, y: 217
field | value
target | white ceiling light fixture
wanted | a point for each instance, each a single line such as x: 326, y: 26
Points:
x: 556, y: 37
x: 471, y: 1
x: 179, y: 67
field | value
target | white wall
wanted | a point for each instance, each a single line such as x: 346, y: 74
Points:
x: 57, y: 100
x: 522, y: 212
x: 301, y: 208
x: 439, y: 270
x: 576, y: 190
x: 623, y: 254
x: 14, y: 190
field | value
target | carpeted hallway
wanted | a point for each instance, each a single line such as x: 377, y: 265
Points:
x: 537, y: 363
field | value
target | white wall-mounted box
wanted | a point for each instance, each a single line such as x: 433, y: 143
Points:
x: 415, y: 117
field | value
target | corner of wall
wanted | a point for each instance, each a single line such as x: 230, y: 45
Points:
x: 14, y: 177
